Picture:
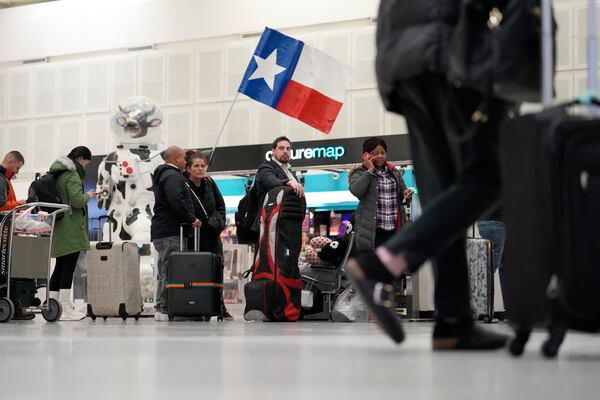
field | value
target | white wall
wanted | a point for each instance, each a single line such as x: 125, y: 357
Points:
x: 78, y: 26
x: 45, y: 109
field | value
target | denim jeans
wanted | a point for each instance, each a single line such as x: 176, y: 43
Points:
x: 494, y: 231
x: 164, y: 247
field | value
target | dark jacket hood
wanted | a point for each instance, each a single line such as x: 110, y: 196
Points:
x: 161, y: 169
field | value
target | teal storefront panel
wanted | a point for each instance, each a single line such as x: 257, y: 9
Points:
x: 313, y: 183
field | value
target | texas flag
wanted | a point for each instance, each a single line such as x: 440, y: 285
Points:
x: 296, y: 79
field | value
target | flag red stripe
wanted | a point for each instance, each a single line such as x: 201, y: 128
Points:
x: 309, y: 106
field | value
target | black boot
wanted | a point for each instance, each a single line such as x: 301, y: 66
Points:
x: 21, y: 314
x: 465, y: 336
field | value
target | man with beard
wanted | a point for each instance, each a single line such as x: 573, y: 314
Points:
x: 278, y: 171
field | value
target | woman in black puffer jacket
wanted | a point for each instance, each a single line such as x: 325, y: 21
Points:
x: 457, y: 180
x: 209, y: 206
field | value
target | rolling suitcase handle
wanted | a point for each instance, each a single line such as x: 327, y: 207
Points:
x: 182, y: 246
x: 101, y: 245
x: 547, y: 53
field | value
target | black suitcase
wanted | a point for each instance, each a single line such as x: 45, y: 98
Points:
x: 274, y: 292
x: 550, y: 164
x: 551, y: 169
x: 194, y: 282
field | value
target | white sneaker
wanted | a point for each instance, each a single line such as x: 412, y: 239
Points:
x: 161, y: 317
x: 255, y: 315
x: 69, y: 314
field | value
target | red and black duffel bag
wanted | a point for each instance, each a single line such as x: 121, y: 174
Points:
x: 273, y: 294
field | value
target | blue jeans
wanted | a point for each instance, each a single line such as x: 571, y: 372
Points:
x: 165, y: 247
x: 494, y: 231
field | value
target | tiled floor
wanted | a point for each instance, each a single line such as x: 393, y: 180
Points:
x: 304, y: 360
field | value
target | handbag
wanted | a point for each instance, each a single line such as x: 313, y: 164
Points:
x: 495, y: 49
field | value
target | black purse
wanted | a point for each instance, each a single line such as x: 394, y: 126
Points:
x: 495, y: 49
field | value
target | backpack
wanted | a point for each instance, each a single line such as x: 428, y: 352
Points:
x: 44, y: 189
x: 245, y: 217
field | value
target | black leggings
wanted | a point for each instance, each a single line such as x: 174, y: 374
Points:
x: 62, y: 277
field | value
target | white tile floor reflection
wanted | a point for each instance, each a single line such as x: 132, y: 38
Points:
x: 238, y: 360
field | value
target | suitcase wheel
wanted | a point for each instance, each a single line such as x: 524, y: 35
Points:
x: 104, y: 318
x: 171, y: 316
x: 53, y: 312
x: 7, y: 309
x: 557, y: 331
x: 137, y: 317
x: 123, y: 312
x: 90, y: 312
x: 207, y: 318
x: 550, y: 348
x: 220, y: 318
x: 517, y: 344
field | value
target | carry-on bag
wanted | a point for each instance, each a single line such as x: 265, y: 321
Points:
x: 274, y: 293
x: 349, y: 307
x: 550, y: 164
x: 480, y: 262
x: 113, y: 279
x: 194, y: 281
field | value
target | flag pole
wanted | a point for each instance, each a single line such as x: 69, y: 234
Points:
x: 212, y: 152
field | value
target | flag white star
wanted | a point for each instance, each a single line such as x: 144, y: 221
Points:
x: 267, y: 69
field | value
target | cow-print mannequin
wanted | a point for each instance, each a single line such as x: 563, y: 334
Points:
x: 125, y: 175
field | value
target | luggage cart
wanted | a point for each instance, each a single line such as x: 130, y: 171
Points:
x: 25, y: 254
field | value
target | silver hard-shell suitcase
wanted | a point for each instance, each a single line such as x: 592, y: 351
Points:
x: 480, y: 262
x: 113, y: 279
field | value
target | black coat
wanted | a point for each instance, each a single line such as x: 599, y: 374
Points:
x: 212, y: 216
x: 412, y: 38
x: 268, y: 176
x: 173, y: 202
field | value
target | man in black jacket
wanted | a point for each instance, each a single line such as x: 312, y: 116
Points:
x: 457, y: 174
x: 278, y: 171
x: 173, y: 206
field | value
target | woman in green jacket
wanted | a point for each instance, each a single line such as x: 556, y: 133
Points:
x: 71, y: 232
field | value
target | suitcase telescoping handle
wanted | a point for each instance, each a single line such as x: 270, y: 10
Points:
x: 182, y: 245
x: 547, y: 53
x: 110, y: 220
x: 105, y: 245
